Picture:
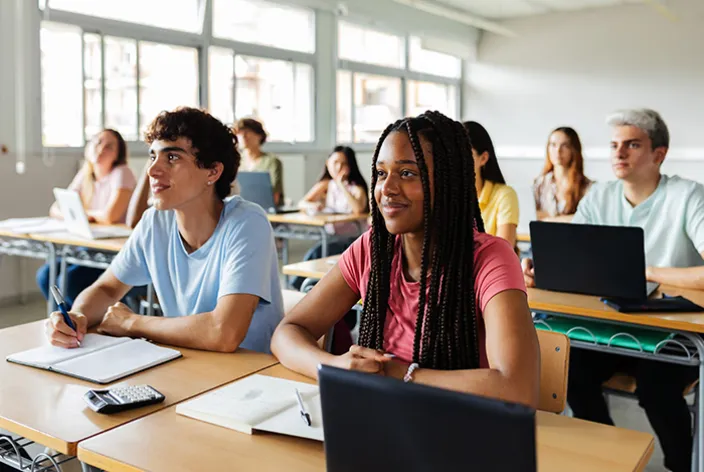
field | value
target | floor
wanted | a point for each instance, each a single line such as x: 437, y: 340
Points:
x: 626, y: 412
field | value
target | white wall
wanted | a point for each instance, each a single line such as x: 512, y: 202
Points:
x: 575, y: 68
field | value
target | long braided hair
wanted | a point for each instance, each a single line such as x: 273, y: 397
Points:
x: 446, y: 324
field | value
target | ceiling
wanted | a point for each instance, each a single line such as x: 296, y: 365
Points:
x: 503, y: 9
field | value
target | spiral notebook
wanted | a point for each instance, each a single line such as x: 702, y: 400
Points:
x: 100, y: 359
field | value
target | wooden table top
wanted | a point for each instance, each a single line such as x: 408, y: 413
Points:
x: 591, y: 307
x: 314, y: 220
x: 65, y: 238
x: 523, y: 237
x: 314, y: 269
x: 176, y: 443
x: 48, y: 408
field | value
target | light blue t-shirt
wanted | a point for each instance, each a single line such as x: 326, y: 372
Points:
x: 239, y: 258
x: 672, y: 218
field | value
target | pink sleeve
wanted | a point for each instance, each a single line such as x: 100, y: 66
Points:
x: 497, y: 269
x: 77, y: 181
x: 353, y: 260
x: 122, y: 177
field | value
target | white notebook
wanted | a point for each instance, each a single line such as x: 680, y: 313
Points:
x: 259, y: 403
x: 100, y: 359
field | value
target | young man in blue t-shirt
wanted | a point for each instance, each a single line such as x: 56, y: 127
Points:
x: 212, y: 262
x: 671, y: 212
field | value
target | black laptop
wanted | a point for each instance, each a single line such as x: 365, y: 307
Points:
x: 608, y: 261
x: 256, y: 187
x: 379, y: 424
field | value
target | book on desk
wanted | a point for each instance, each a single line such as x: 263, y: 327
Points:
x: 100, y: 359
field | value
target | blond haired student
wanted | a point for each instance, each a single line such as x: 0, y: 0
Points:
x: 105, y: 184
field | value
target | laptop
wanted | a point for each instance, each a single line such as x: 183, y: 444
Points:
x: 76, y: 220
x: 379, y: 424
x: 256, y: 187
x: 607, y: 261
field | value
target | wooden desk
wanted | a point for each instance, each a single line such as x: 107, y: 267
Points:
x: 314, y: 220
x: 590, y: 307
x: 166, y: 441
x: 68, y: 239
x: 48, y: 408
x: 523, y: 237
x: 313, y: 269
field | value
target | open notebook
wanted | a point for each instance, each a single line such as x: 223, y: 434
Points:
x: 100, y: 359
x: 262, y: 403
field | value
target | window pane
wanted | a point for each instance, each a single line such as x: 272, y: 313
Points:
x: 266, y: 89
x: 182, y: 15
x: 424, y: 96
x: 62, y: 105
x: 168, y: 78
x: 377, y: 103
x: 121, y: 86
x: 260, y: 22
x: 221, y: 68
x: 92, y: 85
x: 344, y: 106
x: 432, y: 62
x: 373, y: 47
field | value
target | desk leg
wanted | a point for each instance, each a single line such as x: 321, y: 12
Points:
x: 324, y: 242
x: 64, y: 265
x: 150, y: 300
x: 51, y: 260
x: 698, y: 449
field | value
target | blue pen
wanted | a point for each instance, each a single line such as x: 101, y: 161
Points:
x: 56, y: 293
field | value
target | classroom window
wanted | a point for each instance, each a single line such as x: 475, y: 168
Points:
x: 344, y: 106
x: 265, y: 23
x: 422, y: 96
x: 279, y: 93
x: 92, y: 80
x: 377, y: 102
x: 121, y: 86
x: 359, y: 44
x: 431, y: 62
x: 62, y: 111
x: 221, y: 63
x: 168, y: 78
x: 182, y: 15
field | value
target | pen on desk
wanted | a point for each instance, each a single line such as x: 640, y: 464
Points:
x: 56, y: 293
x: 304, y: 413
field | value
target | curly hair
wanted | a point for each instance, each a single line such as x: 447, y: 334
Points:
x: 211, y: 140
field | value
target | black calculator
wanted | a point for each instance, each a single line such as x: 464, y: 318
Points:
x: 113, y: 400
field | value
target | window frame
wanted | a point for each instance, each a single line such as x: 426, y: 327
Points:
x: 201, y: 42
x: 405, y: 74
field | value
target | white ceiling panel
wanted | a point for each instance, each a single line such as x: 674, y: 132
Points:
x: 503, y: 9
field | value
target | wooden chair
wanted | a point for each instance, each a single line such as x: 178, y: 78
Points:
x: 554, y: 366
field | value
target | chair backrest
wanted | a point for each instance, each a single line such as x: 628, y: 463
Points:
x: 554, y: 366
x: 291, y: 299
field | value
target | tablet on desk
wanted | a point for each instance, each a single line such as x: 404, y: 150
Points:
x: 665, y: 304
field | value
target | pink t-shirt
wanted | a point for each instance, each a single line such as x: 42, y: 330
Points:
x: 496, y: 268
x: 121, y: 177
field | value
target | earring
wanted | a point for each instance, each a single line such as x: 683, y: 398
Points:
x: 210, y: 183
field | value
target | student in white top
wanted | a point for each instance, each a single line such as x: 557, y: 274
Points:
x: 341, y: 188
x: 212, y: 262
x: 105, y: 184
x: 671, y: 212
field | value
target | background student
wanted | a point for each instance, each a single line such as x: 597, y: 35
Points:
x: 498, y: 202
x: 474, y: 330
x: 251, y: 136
x: 340, y: 189
x: 671, y: 212
x: 212, y: 263
x: 562, y: 183
x: 105, y: 184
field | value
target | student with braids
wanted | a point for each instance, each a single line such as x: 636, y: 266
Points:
x: 443, y: 297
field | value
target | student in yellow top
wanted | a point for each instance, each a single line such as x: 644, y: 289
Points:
x: 497, y: 201
x: 251, y: 136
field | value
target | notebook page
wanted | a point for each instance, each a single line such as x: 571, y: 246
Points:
x: 46, y: 356
x: 248, y: 401
x: 290, y: 421
x: 117, y: 361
